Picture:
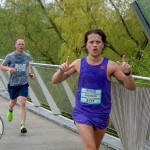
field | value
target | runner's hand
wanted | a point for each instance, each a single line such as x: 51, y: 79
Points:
x: 32, y: 76
x: 12, y: 70
x: 65, y: 66
x: 125, y: 67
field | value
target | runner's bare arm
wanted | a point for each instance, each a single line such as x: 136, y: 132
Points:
x: 30, y: 74
x: 122, y: 73
x: 4, y: 68
x: 64, y: 71
x: 7, y: 68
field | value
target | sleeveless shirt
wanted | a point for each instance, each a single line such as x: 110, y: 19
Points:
x: 93, y: 95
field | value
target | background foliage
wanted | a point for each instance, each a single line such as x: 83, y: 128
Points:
x: 54, y: 30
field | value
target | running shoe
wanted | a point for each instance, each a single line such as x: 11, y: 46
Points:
x: 10, y: 116
x: 23, y: 129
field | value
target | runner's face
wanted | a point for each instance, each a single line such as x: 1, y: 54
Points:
x: 20, y: 45
x: 94, y: 45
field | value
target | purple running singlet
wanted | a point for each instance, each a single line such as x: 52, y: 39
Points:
x: 93, y: 95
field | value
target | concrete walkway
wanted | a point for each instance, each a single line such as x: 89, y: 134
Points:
x: 42, y: 133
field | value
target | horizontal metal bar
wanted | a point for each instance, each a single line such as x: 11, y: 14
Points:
x: 57, y: 66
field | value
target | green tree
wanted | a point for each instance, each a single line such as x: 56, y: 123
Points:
x: 55, y: 30
x: 26, y: 19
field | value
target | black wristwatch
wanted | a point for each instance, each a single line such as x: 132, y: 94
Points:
x: 127, y: 74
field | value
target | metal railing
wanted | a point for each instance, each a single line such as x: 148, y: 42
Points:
x: 59, y: 99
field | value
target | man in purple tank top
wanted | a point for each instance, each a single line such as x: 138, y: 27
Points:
x: 93, y: 94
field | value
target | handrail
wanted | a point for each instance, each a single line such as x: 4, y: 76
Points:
x: 48, y: 93
x: 57, y: 66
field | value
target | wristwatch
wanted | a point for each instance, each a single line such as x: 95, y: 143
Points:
x: 127, y: 74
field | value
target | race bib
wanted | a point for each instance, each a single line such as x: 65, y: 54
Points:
x: 20, y: 67
x: 91, y: 96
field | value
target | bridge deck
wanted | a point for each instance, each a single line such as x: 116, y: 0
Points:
x: 42, y: 133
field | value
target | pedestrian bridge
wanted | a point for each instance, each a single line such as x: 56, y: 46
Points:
x: 49, y: 122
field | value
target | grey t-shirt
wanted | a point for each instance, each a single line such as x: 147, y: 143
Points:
x: 20, y: 62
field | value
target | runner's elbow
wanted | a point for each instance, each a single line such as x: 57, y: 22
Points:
x: 132, y: 87
x: 54, y: 81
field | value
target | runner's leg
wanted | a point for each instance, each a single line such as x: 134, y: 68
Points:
x: 87, y: 135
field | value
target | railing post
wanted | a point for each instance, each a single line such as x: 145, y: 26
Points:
x: 69, y: 93
x: 5, y: 81
x: 33, y: 97
x: 47, y: 95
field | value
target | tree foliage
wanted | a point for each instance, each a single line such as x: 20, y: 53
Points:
x: 55, y: 30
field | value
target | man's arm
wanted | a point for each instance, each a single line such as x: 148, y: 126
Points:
x: 30, y: 74
x: 29, y: 69
x: 64, y: 71
x: 122, y: 72
x: 7, y: 68
x: 126, y: 80
x: 4, y: 68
